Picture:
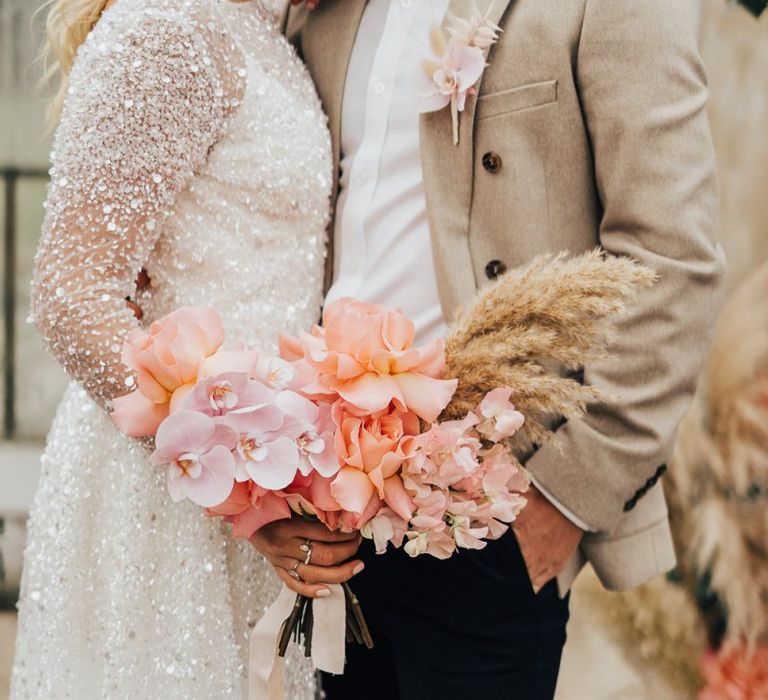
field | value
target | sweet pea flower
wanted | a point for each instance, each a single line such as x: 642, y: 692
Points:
x: 165, y: 359
x: 387, y: 526
x: 451, y: 452
x: 364, y: 353
x: 501, y: 420
x: 198, y: 452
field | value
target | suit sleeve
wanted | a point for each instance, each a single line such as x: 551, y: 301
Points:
x: 643, y: 92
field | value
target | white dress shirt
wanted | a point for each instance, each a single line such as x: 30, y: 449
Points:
x: 382, y: 246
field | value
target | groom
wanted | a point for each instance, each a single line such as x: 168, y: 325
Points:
x: 588, y: 130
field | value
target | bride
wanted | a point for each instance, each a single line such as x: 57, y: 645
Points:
x: 193, y: 151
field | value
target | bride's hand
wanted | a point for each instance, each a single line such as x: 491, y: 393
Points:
x: 286, y: 542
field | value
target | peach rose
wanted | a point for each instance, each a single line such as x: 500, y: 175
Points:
x: 166, y: 359
x: 372, y: 448
x: 364, y: 353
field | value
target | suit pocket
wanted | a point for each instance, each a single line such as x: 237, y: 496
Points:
x: 516, y: 99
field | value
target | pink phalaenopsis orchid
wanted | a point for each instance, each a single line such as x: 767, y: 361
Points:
x: 198, y: 452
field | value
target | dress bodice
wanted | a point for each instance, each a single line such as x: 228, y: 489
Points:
x: 193, y: 144
x: 247, y: 235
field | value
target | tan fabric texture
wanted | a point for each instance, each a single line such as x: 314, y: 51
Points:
x: 597, y: 111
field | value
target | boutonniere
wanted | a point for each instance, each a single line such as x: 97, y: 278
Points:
x: 457, y: 64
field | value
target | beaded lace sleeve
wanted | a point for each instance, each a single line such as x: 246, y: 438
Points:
x: 149, y: 94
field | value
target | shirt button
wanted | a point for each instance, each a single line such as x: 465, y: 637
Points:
x: 492, y: 162
x: 379, y: 88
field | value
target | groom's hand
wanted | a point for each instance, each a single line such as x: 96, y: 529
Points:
x: 546, y: 537
x: 285, y: 542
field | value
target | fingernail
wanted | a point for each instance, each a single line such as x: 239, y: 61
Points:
x: 358, y: 568
x: 323, y: 593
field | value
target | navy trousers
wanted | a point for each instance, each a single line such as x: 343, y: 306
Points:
x: 466, y: 628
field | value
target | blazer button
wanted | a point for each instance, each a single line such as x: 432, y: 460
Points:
x: 492, y: 162
x: 495, y: 269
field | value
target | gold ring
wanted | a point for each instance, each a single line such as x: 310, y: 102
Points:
x: 308, y: 550
x: 294, y: 570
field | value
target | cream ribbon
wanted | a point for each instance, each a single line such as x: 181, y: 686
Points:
x: 329, y: 633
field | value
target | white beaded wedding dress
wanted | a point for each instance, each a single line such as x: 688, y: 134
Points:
x: 192, y: 144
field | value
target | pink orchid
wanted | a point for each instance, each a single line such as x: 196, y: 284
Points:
x: 165, y: 360
x: 501, y: 419
x: 223, y: 393
x: 311, y: 426
x: 265, y: 453
x: 276, y: 373
x: 364, y: 354
x: 198, y: 451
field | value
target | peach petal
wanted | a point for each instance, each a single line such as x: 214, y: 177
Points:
x: 397, y: 498
x: 370, y: 392
x: 352, y: 489
x: 137, y: 416
x: 425, y: 396
x: 270, y: 508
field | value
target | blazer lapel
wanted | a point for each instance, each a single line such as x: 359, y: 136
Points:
x: 327, y: 41
x: 448, y: 172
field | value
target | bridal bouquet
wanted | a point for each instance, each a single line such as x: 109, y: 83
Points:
x: 341, y: 428
x: 355, y: 427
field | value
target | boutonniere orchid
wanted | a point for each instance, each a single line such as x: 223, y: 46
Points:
x: 456, y: 65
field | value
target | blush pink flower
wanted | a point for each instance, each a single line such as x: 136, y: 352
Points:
x: 265, y: 452
x: 500, y: 419
x: 741, y: 674
x: 249, y: 507
x: 372, y: 448
x: 165, y: 359
x: 385, y: 527
x: 450, y: 76
x: 455, y: 69
x: 198, y: 452
x: 223, y: 393
x: 364, y: 353
x: 311, y: 427
x: 312, y: 496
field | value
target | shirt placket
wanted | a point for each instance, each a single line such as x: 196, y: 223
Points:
x: 364, y: 173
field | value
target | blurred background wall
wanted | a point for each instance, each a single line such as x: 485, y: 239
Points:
x: 735, y: 47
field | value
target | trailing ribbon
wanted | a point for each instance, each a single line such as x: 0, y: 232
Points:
x: 329, y: 633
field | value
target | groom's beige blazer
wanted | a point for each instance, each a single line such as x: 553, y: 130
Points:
x: 589, y: 129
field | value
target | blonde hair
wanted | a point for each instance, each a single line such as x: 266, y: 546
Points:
x: 67, y: 24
